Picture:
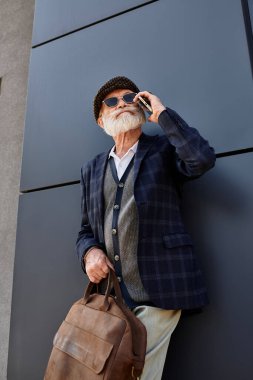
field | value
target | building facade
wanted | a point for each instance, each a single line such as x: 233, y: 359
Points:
x: 196, y: 56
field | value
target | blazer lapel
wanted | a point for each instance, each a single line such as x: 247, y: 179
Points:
x: 101, y: 162
x: 145, y: 142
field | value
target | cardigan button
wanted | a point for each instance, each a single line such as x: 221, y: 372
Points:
x: 114, y: 231
x: 119, y: 278
x: 116, y: 207
x: 116, y: 257
x: 121, y: 184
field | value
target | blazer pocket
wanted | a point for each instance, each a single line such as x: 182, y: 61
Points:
x: 177, y: 240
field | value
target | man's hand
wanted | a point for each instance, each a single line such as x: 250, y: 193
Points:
x: 97, y: 265
x: 155, y: 103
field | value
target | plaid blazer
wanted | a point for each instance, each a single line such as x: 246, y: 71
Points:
x: 168, y: 267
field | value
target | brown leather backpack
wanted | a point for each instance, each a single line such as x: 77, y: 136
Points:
x: 100, y: 338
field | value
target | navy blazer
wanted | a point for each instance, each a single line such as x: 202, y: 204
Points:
x: 168, y: 267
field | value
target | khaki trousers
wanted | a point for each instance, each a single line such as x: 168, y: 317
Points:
x: 160, y: 325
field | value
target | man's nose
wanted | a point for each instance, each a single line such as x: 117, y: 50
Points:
x: 121, y: 103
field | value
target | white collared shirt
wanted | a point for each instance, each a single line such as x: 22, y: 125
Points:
x: 123, y: 162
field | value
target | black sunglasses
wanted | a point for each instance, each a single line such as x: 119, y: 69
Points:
x: 112, y: 102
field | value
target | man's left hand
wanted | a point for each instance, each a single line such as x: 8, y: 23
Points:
x: 155, y: 103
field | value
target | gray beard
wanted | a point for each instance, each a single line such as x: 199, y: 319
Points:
x: 124, y: 123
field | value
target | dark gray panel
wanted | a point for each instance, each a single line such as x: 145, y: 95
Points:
x: 55, y: 18
x: 195, y: 58
x: 217, y: 344
x: 47, y: 277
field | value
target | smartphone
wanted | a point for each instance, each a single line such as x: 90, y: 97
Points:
x: 146, y: 104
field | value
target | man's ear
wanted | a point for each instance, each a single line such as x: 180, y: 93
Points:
x: 100, y: 122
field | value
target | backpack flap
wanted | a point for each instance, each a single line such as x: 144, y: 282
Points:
x: 88, y: 349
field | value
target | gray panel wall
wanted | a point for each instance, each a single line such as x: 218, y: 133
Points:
x: 200, y: 68
x: 47, y: 276
x: 216, y: 344
x: 196, y: 59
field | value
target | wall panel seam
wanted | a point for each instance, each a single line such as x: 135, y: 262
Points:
x: 94, y: 23
x: 218, y: 155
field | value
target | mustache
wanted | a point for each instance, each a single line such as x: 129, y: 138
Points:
x: 131, y: 109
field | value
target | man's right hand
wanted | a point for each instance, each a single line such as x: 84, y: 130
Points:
x: 97, y: 265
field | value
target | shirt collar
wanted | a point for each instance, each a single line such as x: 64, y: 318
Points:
x: 133, y: 149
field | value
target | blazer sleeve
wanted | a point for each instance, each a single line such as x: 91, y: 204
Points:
x: 85, y: 239
x: 193, y: 154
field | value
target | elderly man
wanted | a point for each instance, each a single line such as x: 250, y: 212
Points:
x: 131, y: 220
